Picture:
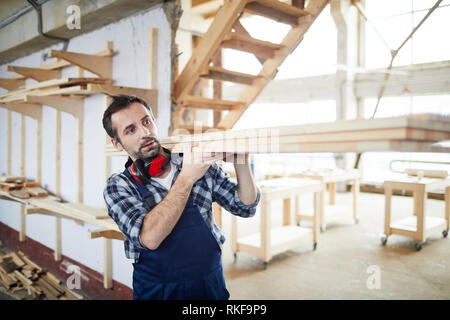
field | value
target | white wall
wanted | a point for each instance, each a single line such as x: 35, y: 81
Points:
x: 130, y: 40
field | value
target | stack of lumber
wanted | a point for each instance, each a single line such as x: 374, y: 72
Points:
x: 17, y: 272
x: 412, y: 133
x: 21, y: 187
x: 52, y: 87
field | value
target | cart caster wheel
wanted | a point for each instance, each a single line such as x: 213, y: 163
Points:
x: 265, y: 263
x: 298, y: 223
x: 323, y: 228
x: 418, y: 246
x: 234, y: 256
x: 384, y: 240
x: 445, y: 233
x: 315, y: 246
x: 356, y: 220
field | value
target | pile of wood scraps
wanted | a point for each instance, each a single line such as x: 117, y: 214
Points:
x: 18, y: 272
x: 21, y: 188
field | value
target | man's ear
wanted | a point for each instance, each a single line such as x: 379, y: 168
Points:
x: 116, y: 144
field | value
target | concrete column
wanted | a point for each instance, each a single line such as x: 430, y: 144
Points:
x: 350, y: 54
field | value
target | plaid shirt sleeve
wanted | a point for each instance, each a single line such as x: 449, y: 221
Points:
x: 225, y: 193
x: 126, y: 208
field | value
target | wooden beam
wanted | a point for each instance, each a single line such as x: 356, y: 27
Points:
x: 218, y: 73
x: 152, y: 60
x: 11, y: 84
x: 260, y: 48
x: 279, y: 12
x: 37, y: 74
x: 204, y: 103
x: 217, y: 87
x: 99, y: 65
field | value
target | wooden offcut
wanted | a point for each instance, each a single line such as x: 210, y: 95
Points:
x: 18, y: 272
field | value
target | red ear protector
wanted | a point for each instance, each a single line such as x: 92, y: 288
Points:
x: 143, y: 170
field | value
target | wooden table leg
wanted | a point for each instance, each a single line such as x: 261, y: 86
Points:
x: 419, y: 209
x: 287, y: 212
x: 316, y: 214
x: 355, y: 188
x: 332, y: 190
x: 322, y: 205
x: 297, y: 209
x: 234, y: 235
x: 447, y: 206
x: 387, y: 211
x: 265, y: 231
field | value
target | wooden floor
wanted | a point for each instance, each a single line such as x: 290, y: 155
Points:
x: 338, y: 268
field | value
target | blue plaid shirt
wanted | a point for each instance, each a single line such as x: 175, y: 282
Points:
x: 128, y: 209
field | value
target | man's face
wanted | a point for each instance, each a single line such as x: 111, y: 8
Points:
x: 136, y: 131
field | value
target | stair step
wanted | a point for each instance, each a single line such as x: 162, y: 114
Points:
x: 212, y: 104
x: 276, y: 10
x: 260, y: 48
x: 218, y: 73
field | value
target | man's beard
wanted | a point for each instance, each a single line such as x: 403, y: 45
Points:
x: 153, y: 152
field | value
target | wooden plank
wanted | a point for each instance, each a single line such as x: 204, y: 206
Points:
x: 218, y: 73
x: 11, y: 84
x: 71, y: 105
x: 204, y: 103
x: 281, y: 12
x: 37, y: 74
x: 37, y: 192
x: 283, y: 7
x: 403, y: 127
x: 28, y: 261
x: 261, y: 49
x: 99, y: 65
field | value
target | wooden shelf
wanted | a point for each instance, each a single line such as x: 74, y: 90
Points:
x: 408, y: 226
x: 282, y: 239
x: 69, y: 210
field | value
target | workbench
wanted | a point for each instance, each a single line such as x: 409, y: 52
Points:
x: 330, y: 177
x: 271, y: 241
x: 419, y: 226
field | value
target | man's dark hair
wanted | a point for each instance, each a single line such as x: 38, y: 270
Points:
x: 118, y: 103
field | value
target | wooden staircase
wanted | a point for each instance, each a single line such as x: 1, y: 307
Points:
x: 226, y: 31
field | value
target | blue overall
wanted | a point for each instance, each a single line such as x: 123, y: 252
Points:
x: 185, y: 266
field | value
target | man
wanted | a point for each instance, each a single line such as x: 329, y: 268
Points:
x: 167, y: 216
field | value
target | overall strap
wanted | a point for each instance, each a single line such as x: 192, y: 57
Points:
x: 142, y: 189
